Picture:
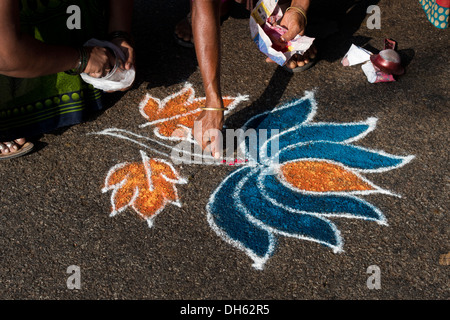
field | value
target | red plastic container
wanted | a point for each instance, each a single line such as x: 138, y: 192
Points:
x: 388, y: 61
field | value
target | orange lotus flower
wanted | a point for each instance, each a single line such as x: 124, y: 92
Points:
x: 147, y: 187
x: 174, y: 116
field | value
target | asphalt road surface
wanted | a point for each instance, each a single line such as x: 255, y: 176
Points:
x: 54, y: 214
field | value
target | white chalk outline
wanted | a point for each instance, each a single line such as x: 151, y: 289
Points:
x: 259, y: 262
x: 336, y: 248
x: 121, y: 134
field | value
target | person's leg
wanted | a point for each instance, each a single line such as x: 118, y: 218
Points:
x: 184, y: 36
x: 183, y: 29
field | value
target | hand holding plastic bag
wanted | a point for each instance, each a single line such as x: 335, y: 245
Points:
x: 116, y: 80
x: 266, y: 34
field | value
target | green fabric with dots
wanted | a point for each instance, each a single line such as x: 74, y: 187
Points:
x: 27, y: 101
x: 436, y: 14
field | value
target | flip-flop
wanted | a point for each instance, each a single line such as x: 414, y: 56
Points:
x: 26, y: 148
x: 182, y: 42
x: 190, y: 44
x: 187, y: 44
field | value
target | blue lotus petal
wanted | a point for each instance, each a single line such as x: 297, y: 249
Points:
x: 320, y: 132
x: 322, y: 204
x: 268, y: 124
x: 232, y: 221
x: 348, y: 155
x: 282, y: 118
x: 283, y: 221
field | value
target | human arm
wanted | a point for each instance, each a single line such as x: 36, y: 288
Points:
x: 22, y: 56
x: 206, y: 31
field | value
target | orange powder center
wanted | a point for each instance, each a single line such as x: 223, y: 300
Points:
x: 320, y: 176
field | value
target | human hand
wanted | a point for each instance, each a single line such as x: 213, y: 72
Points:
x: 101, y: 61
x: 207, y: 131
x: 128, y: 51
x: 294, y: 22
x: 130, y: 58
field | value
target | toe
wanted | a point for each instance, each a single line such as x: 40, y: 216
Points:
x: 20, y: 141
x: 12, y: 146
x: 292, y: 63
x: 3, y: 148
x: 301, y: 61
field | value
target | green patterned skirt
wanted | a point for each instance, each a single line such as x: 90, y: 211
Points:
x: 34, y: 106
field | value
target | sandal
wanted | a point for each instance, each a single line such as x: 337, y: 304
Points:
x: 302, y: 68
x: 224, y: 13
x: 187, y: 44
x: 305, y: 67
x: 22, y: 150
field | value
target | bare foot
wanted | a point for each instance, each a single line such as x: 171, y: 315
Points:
x: 15, y: 148
x: 301, y: 60
x: 11, y: 146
